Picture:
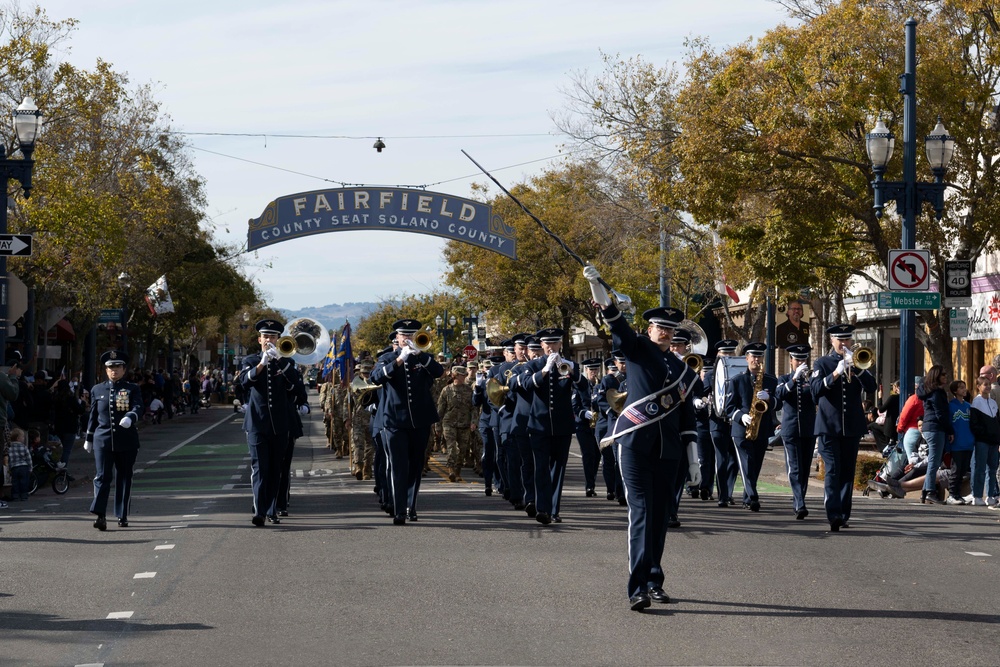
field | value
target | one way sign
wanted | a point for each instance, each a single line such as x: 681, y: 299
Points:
x: 15, y: 245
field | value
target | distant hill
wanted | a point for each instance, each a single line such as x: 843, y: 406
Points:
x: 334, y: 315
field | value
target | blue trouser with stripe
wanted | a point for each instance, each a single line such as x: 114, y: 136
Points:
x: 798, y: 461
x: 406, y: 447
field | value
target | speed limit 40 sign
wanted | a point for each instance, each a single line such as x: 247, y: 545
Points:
x: 958, y: 283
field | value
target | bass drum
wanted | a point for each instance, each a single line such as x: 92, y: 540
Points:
x: 726, y: 368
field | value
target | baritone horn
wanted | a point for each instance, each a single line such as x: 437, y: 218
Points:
x: 616, y: 399
x: 694, y: 361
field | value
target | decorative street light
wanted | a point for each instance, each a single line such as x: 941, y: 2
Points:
x: 472, y: 323
x: 27, y: 126
x: 444, y: 332
x: 124, y: 282
x: 909, y: 194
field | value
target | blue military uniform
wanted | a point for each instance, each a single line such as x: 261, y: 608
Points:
x: 798, y: 421
x: 551, y: 424
x: 486, y: 432
x: 739, y: 400
x: 519, y: 427
x: 650, y: 436
x: 115, y: 445
x: 514, y: 486
x: 300, y: 400
x: 583, y: 402
x: 617, y: 381
x: 408, y: 413
x: 726, y: 465
x: 380, y: 466
x: 840, y: 423
x: 706, y: 450
x: 267, y: 421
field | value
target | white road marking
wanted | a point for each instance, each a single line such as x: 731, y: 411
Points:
x: 236, y: 477
x: 120, y: 614
x: 190, y: 516
x: 29, y: 510
x: 979, y: 554
x: 911, y: 532
x: 228, y: 487
x: 144, y: 575
x: 242, y: 466
x: 182, y: 525
x: 138, y: 470
x: 194, y: 437
x: 90, y: 664
x: 162, y: 547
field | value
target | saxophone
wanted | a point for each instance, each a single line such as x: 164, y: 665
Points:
x: 757, y: 408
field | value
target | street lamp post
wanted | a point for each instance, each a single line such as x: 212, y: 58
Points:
x: 124, y: 282
x: 27, y: 125
x: 909, y: 194
x: 444, y: 331
x: 472, y: 322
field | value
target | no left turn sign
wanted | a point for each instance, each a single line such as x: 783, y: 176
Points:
x: 908, y: 270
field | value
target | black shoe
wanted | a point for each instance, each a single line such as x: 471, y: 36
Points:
x: 639, y: 601
x: 101, y: 523
x: 611, y: 495
x: 399, y: 520
x: 543, y: 518
x: 506, y: 495
x: 530, y: 510
x: 556, y: 519
x: 411, y: 514
x: 123, y: 523
x: 746, y: 506
x: 488, y: 491
x: 723, y: 503
x: 693, y: 491
x: 273, y: 518
x: 519, y: 506
x: 657, y: 594
x: 283, y: 513
x: 754, y: 505
x: 257, y: 520
x: 672, y: 522
x: 591, y: 493
x: 731, y: 502
x: 835, y: 525
x: 623, y: 502
x: 801, y: 514
x: 706, y: 494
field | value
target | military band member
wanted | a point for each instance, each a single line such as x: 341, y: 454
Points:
x: 407, y: 375
x: 268, y: 384
x: 458, y: 420
x: 298, y: 406
x: 381, y: 464
x: 526, y: 348
x: 741, y: 401
x: 361, y: 416
x: 487, y: 430
x: 702, y: 413
x: 513, y: 355
x: 615, y: 379
x: 798, y: 423
x: 585, y: 411
x: 549, y: 381
x: 837, y: 387
x: 680, y: 346
x: 115, y: 409
x: 650, y: 434
x: 475, y: 457
x: 726, y: 465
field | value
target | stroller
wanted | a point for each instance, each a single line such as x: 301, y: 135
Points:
x: 893, y: 468
x: 45, y: 468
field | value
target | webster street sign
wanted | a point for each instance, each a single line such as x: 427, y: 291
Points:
x: 909, y: 300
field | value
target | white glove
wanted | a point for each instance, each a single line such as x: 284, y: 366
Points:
x: 551, y: 362
x: 480, y: 379
x: 271, y: 353
x: 799, y: 372
x: 405, y: 352
x: 597, y: 291
x: 698, y: 403
x: 125, y: 422
x: 763, y: 395
x: 88, y: 446
x: 694, y: 469
x: 588, y: 414
x: 841, y: 368
x: 572, y: 365
x: 848, y: 358
x: 746, y: 419
x: 303, y: 409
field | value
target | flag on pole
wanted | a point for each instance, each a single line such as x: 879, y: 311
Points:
x: 328, y: 360
x: 158, y: 297
x: 345, y: 360
x: 721, y: 286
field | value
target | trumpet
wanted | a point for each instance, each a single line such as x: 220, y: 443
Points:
x: 286, y: 346
x: 863, y: 358
x: 564, y: 367
x: 422, y: 341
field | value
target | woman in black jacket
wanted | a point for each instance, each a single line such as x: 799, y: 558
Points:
x: 985, y: 424
x: 937, y: 428
x: 66, y: 411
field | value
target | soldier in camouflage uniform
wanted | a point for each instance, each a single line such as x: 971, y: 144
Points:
x: 362, y: 446
x: 435, y: 442
x: 324, y: 395
x: 475, y: 458
x: 458, y: 420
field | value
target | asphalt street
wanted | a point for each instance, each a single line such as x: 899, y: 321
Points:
x: 473, y: 582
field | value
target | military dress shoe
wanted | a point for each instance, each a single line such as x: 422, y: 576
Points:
x: 273, y: 518
x: 283, y: 513
x: 591, y: 493
x: 835, y: 524
x: 754, y: 505
x: 488, y: 491
x: 101, y: 523
x: 673, y: 522
x: 411, y: 514
x: 519, y: 506
x: 693, y: 491
x: 543, y: 518
x: 657, y: 594
x: 706, y: 494
x: 556, y: 519
x: 801, y: 514
x: 723, y: 503
x: 123, y: 522
x: 623, y: 502
x: 358, y: 475
x: 399, y: 520
x: 257, y: 520
x: 611, y: 495
x: 530, y: 510
x: 640, y: 601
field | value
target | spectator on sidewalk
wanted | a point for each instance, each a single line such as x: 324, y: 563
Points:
x: 19, y: 463
x: 908, y: 424
x: 66, y: 412
x: 985, y: 425
x: 937, y: 428
x: 156, y: 409
x: 962, y: 446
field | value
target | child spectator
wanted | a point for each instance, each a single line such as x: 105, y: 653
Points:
x: 962, y: 445
x: 156, y: 409
x: 19, y: 462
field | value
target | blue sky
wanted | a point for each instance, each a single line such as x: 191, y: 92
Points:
x: 406, y: 71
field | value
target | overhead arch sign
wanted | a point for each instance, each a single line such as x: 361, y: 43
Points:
x: 394, y: 209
